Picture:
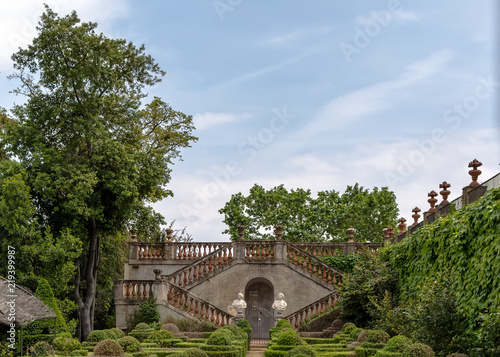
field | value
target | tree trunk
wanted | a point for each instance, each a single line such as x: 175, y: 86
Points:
x: 86, y: 304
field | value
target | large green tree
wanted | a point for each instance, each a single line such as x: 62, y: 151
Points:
x: 90, y: 148
x: 311, y: 219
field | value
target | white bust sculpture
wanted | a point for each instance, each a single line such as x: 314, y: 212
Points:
x: 239, y: 304
x: 279, y: 304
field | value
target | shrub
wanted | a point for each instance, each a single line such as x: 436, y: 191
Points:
x: 220, y: 338
x: 147, y: 313
x: 301, y: 351
x: 142, y: 326
x: 64, y: 346
x: 457, y: 355
x: 349, y: 329
x: 115, y: 333
x: 141, y: 332
x: 170, y: 327
x: 282, y: 324
x: 245, y: 326
x: 193, y: 352
x: 163, y: 338
x: 418, y: 350
x: 355, y: 333
x: 108, y: 348
x: 5, y: 350
x: 397, y: 344
x: 373, y: 336
x: 289, y: 338
x: 347, y: 325
x: 41, y: 349
x: 98, y: 336
x: 129, y: 344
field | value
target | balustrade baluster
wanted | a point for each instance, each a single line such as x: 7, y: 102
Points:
x: 230, y: 254
x: 212, y: 318
x: 207, y: 313
x: 210, y: 264
x: 139, y: 292
x: 220, y: 258
x: 170, y: 294
x: 200, y: 269
x: 185, y: 279
x: 150, y: 290
x: 310, y: 268
x: 324, y: 274
x: 295, y: 257
x: 181, y: 299
x: 195, y: 273
x: 272, y: 251
x: 191, y: 305
x: 196, y: 311
x: 217, y: 321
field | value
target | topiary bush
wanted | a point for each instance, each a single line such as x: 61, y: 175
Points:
x: 397, y: 344
x: 64, y: 346
x: 98, y: 336
x: 163, y: 338
x: 129, y: 344
x: 347, y: 325
x: 115, y: 333
x: 141, y: 332
x: 193, y: 352
x: 418, y: 350
x: 147, y: 313
x: 355, y: 333
x: 108, y: 348
x: 220, y: 338
x: 301, y: 351
x: 41, y: 349
x: 289, y: 338
x: 373, y: 336
x: 245, y: 326
x: 457, y: 355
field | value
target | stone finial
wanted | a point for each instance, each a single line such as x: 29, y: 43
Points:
x: 385, y: 231
x: 241, y: 232
x: 278, y: 232
x: 432, y: 200
x: 445, y: 193
x: 350, y: 234
x: 415, y: 215
x: 157, y: 273
x: 402, y: 225
x: 169, y: 234
x: 474, y: 172
x: 133, y: 234
x: 390, y: 232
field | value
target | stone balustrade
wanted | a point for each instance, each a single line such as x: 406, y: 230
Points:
x: 318, y: 307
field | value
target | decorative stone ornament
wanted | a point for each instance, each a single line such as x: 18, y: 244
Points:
x: 278, y: 232
x: 157, y: 274
x: 133, y: 234
x: 390, y: 232
x: 432, y: 200
x: 402, y: 225
x: 350, y: 235
x: 241, y: 232
x: 475, y: 172
x: 445, y: 193
x: 279, y: 305
x: 415, y: 215
x: 239, y: 305
x: 169, y: 234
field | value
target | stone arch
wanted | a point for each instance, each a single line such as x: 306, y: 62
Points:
x: 259, y: 295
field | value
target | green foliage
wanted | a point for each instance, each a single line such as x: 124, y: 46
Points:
x: 354, y: 334
x: 344, y: 263
x: 163, y: 338
x: 418, y: 350
x: 301, y: 351
x: 289, y: 338
x: 397, y: 344
x: 115, y: 333
x: 146, y: 313
x: 98, y: 335
x: 141, y: 331
x: 191, y: 325
x: 220, y: 338
x: 365, y: 286
x: 373, y: 336
x: 489, y: 333
x: 5, y: 350
x: 348, y: 329
x: 41, y: 349
x: 465, y: 243
x: 129, y: 344
x: 308, y: 219
x: 457, y: 355
x: 64, y: 346
x: 108, y: 348
x: 245, y: 326
x: 91, y: 151
x: 44, y: 292
x: 193, y: 352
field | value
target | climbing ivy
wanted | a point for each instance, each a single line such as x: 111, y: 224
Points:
x: 465, y: 243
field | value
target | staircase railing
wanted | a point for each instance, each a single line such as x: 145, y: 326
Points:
x: 255, y: 250
x: 198, y: 308
x: 315, y: 308
x: 211, y: 263
x: 313, y: 265
x: 138, y: 289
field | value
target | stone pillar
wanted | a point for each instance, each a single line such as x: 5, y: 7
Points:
x: 351, y: 244
x: 239, y: 251
x: 169, y: 248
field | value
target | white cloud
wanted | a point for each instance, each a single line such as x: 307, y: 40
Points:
x: 18, y: 20
x: 361, y: 103
x: 206, y: 120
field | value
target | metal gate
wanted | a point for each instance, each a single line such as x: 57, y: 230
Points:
x: 259, y: 296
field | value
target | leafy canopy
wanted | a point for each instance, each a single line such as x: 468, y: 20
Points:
x: 309, y: 219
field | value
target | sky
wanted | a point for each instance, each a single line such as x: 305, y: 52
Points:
x: 310, y: 94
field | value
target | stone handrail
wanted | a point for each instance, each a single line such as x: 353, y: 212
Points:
x: 202, y: 267
x: 337, y: 248
x: 256, y: 250
x: 138, y: 289
x: 193, y: 250
x: 313, y: 265
x: 199, y: 308
x: 315, y: 308
x: 149, y: 251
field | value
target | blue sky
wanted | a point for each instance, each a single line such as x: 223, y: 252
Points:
x: 310, y: 94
